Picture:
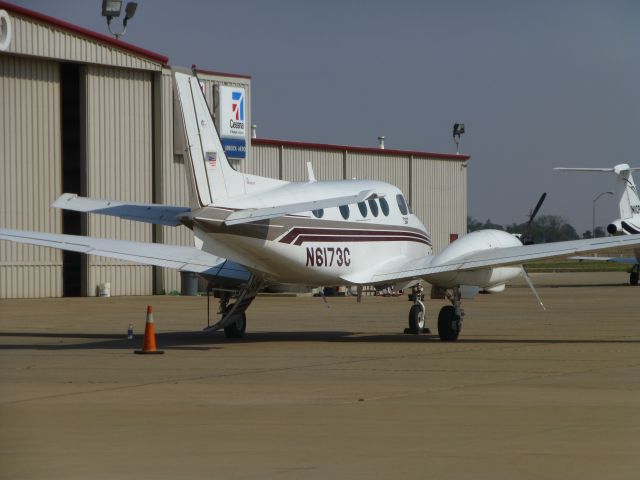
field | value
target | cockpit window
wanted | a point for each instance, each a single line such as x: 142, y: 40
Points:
x: 363, y: 208
x: 374, y: 207
x: 318, y: 213
x: 384, y: 206
x: 402, y: 205
x: 344, y: 211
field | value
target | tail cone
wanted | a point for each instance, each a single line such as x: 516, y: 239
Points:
x: 149, y: 343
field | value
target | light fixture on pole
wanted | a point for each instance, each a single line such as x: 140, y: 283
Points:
x: 458, y: 130
x: 111, y: 9
x: 593, y: 231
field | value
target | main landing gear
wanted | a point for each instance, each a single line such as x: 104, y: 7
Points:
x: 234, y: 319
x: 635, y: 273
x: 449, y: 318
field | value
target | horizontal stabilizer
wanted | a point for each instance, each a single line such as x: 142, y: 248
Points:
x: 140, y: 212
x: 188, y: 259
x: 255, y: 214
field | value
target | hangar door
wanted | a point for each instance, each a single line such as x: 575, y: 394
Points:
x: 30, y: 174
x: 118, y: 166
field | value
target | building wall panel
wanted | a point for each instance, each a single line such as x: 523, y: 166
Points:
x: 387, y: 168
x: 439, y: 198
x: 327, y: 164
x: 30, y: 174
x: 171, y: 180
x: 266, y: 161
x: 36, y: 38
x: 119, y: 166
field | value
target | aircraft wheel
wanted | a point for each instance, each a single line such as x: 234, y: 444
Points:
x: 237, y: 328
x: 449, y: 325
x: 416, y: 319
x: 633, y: 278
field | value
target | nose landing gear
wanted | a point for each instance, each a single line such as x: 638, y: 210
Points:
x: 417, y: 313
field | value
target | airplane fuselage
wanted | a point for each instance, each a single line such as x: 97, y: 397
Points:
x: 317, y: 247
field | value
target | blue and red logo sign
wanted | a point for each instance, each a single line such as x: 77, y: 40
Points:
x: 237, y: 105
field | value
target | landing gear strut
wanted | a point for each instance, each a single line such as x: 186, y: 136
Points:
x: 417, y: 313
x: 234, y: 320
x: 450, y: 318
x: 635, y: 273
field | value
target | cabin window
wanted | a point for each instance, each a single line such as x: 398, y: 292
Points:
x: 384, y: 206
x: 318, y: 213
x: 402, y: 205
x: 374, y: 207
x: 344, y: 211
x: 363, y: 208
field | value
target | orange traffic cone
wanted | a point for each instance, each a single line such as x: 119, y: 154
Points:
x: 149, y: 343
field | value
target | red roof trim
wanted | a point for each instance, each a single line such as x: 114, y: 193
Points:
x: 377, y: 151
x: 222, y: 74
x: 85, y: 32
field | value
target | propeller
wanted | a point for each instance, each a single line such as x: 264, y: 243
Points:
x: 526, y: 238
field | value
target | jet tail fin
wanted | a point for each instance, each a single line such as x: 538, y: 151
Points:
x: 626, y: 189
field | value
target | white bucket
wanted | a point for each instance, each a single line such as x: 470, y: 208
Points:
x: 104, y: 289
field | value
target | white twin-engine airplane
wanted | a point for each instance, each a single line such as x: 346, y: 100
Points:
x: 254, y: 231
x: 629, y: 221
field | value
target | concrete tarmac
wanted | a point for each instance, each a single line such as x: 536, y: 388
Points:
x: 319, y: 392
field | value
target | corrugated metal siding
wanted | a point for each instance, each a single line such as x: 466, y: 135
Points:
x: 387, y: 168
x: 30, y: 174
x: 31, y: 37
x: 265, y: 161
x: 439, y: 198
x: 172, y: 183
x: 119, y: 166
x: 327, y: 164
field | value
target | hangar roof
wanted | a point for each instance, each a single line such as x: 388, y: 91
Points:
x: 376, y: 151
x: 84, y: 32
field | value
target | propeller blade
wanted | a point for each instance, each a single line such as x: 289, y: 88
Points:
x: 535, y: 210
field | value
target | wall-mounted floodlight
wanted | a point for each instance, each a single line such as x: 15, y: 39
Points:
x: 458, y: 130
x: 111, y: 9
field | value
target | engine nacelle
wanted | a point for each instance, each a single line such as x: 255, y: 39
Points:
x: 488, y: 278
x: 615, y: 228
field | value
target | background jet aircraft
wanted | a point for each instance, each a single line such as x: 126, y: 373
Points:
x: 629, y: 221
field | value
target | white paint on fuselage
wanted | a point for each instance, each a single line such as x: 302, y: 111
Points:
x: 287, y: 262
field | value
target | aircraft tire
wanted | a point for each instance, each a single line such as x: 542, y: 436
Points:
x: 449, y: 325
x: 237, y: 328
x: 416, y: 319
x: 633, y: 278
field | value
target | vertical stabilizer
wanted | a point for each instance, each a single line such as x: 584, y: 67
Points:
x: 627, y: 191
x: 213, y: 178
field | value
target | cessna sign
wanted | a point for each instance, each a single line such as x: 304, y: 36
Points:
x: 233, y: 120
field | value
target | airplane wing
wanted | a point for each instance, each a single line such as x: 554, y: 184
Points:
x: 255, y: 214
x: 188, y: 259
x: 489, y: 258
x: 139, y: 212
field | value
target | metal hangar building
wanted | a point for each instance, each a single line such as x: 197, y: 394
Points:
x: 83, y: 113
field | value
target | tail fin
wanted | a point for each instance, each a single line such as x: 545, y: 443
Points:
x: 625, y: 187
x: 213, y: 178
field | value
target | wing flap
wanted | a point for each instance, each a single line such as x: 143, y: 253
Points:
x: 255, y: 214
x: 139, y: 212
